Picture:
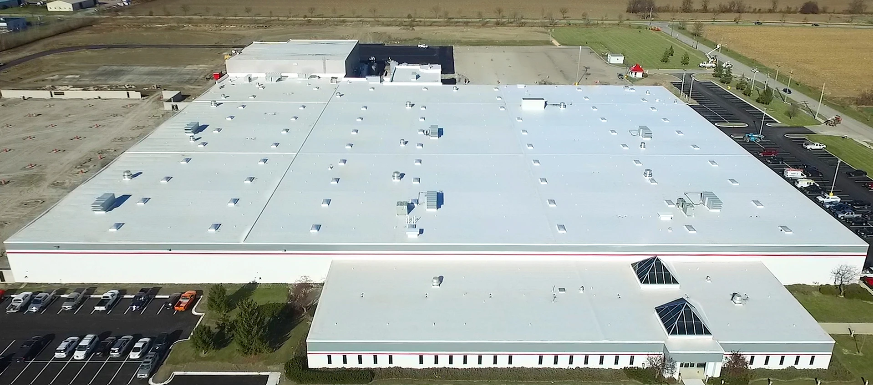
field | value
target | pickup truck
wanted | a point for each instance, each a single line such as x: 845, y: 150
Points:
x: 185, y: 301
x: 19, y: 302
x: 107, y: 300
x: 141, y: 299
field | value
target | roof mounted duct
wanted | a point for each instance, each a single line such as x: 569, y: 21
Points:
x: 533, y: 103
x: 645, y: 133
x: 191, y: 128
x: 432, y: 199
x: 103, y: 203
x: 738, y: 299
x: 434, y: 132
x: 686, y: 207
x: 711, y: 201
x: 402, y: 208
x: 396, y: 176
x: 436, y: 281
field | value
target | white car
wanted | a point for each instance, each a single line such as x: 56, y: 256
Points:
x: 825, y: 198
x: 66, y: 347
x: 140, y: 348
x: 814, y: 146
x: 85, y: 347
x: 422, y: 45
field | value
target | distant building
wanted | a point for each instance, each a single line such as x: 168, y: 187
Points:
x: 636, y: 71
x: 12, y: 23
x: 615, y: 58
x: 70, y: 5
x: 9, y: 3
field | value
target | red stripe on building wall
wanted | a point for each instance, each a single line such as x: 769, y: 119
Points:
x: 428, y: 254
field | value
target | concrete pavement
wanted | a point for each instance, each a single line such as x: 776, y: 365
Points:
x: 843, y: 328
x: 850, y: 127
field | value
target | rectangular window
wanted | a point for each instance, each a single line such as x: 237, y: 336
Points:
x: 781, y: 360
x: 436, y: 360
x: 360, y: 359
x: 796, y: 360
x: 390, y: 359
x: 451, y: 359
x: 541, y: 360
x: 766, y: 360
x: 480, y: 360
x: 509, y: 360
x: 571, y: 360
x: 465, y: 359
x: 494, y: 362
x: 345, y: 361
x: 631, y: 360
x: 421, y: 359
x: 585, y: 361
x: 751, y: 360
x: 329, y: 360
x: 616, y: 360
x: 811, y: 359
x: 556, y: 360
x: 375, y: 360
x: 601, y: 360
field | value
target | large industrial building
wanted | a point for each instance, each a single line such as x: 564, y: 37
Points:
x: 459, y: 225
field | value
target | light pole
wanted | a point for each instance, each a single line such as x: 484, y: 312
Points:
x: 578, y: 63
x: 682, y: 89
x: 691, y: 87
x: 777, y: 73
x: 837, y: 172
x: 789, y: 77
x: 754, y: 74
x: 763, y: 115
x: 819, y: 100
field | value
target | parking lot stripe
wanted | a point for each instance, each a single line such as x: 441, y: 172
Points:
x: 60, y: 371
x: 132, y: 376
x: 22, y: 372
x: 116, y: 372
x: 80, y: 370
x: 98, y: 371
x: 159, y: 310
x: 43, y: 369
x: 7, y: 348
x: 125, y: 312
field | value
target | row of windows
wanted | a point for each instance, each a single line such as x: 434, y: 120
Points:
x: 436, y: 360
x: 781, y: 360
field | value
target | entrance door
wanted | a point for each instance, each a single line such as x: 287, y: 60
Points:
x: 692, y: 370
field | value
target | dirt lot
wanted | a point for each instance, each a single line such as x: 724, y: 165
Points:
x: 531, y: 65
x: 48, y: 147
x: 830, y: 55
x: 594, y: 9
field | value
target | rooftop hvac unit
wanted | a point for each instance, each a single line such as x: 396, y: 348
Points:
x: 686, y: 207
x: 434, y: 132
x: 402, y: 208
x: 191, y: 128
x: 126, y: 175
x: 533, y: 104
x: 645, y: 132
x: 432, y: 199
x: 103, y: 203
x: 711, y: 201
x: 647, y: 173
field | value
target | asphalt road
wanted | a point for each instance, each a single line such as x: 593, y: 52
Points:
x: 25, y: 59
x: 219, y: 380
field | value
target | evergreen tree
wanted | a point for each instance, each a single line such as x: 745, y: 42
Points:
x: 685, y: 59
x: 665, y: 57
x: 670, y: 50
x: 250, y: 329
x: 203, y: 339
x: 718, y: 70
x: 217, y: 300
x: 727, y: 77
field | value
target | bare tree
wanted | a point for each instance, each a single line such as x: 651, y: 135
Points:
x: 373, y: 11
x: 857, y: 7
x: 247, y: 10
x: 499, y: 12
x: 311, y: 11
x: 664, y: 366
x: 844, y: 275
x: 697, y: 28
x: 704, y: 6
x: 185, y: 9
x: 774, y: 6
x: 300, y: 294
x: 436, y: 11
x: 687, y: 6
x: 563, y: 11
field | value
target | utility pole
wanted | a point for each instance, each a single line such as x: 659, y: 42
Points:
x: 763, y: 115
x: 777, y: 73
x: 578, y: 63
x: 837, y: 172
x: 789, y: 77
x: 683, y: 84
x: 691, y: 87
x: 754, y: 74
x: 819, y: 100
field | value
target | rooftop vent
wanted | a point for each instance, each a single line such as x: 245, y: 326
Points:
x: 419, y: 145
x: 694, y: 146
x: 680, y: 133
x: 738, y: 299
x: 402, y: 208
x: 342, y: 162
x: 652, y: 271
x: 713, y: 163
x: 408, y: 104
x: 645, y: 132
x: 544, y: 181
x: 416, y: 180
x: 432, y: 199
x: 191, y: 128
x: 263, y: 161
x: 733, y: 182
x: 233, y: 202
x: 396, y: 176
x: 530, y: 146
x: 647, y: 173
x: 349, y: 145
x: 533, y: 103
x: 423, y: 108
x: 126, y: 175
x: 757, y: 203
x: 103, y: 203
x: 418, y: 162
x: 711, y: 201
x: 285, y: 130
x: 551, y: 202
x: 562, y: 229
x: 642, y: 145
x: 680, y: 319
x: 185, y: 160
x: 166, y: 179
x: 202, y: 144
x: 143, y: 201
x: 686, y: 207
x: 434, y: 132
x: 334, y: 180
x: 214, y: 227
x: 274, y: 145
x: 249, y: 179
x: 785, y: 229
x: 116, y: 226
x: 637, y: 162
x: 412, y: 231
x: 562, y: 105
x: 536, y: 162
x: 436, y: 281
x: 624, y: 146
x: 613, y: 132
x: 325, y: 202
x: 691, y: 229
x: 315, y: 228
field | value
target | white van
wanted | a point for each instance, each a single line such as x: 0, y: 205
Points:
x: 793, y: 173
x: 85, y: 347
x: 801, y: 183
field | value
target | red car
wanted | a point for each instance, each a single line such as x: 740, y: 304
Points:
x: 769, y: 152
x: 867, y: 281
x: 869, y: 185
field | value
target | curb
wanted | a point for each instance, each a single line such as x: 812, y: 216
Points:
x: 273, y: 377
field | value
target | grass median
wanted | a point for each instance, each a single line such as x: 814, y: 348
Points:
x: 638, y: 44
x: 849, y: 150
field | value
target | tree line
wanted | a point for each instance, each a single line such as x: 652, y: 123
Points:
x: 648, y: 7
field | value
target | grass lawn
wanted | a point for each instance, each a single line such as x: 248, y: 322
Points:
x: 777, y: 108
x: 183, y: 356
x: 32, y: 10
x: 846, y: 351
x: 850, y: 151
x: 827, y: 308
x: 637, y: 45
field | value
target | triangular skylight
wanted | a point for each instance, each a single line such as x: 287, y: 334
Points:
x: 680, y: 319
x: 652, y: 271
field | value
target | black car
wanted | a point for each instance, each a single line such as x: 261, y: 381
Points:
x: 773, y: 160
x: 104, y: 347
x: 857, y: 221
x: 786, y: 91
x: 759, y: 23
x: 859, y: 204
x: 172, y: 300
x: 161, y: 343
x: 815, y: 24
x: 30, y: 348
x: 812, y: 172
x: 141, y: 299
x: 813, y: 189
x: 864, y: 232
x: 856, y: 173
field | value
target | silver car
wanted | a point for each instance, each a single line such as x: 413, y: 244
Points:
x: 73, y: 301
x: 146, y: 366
x: 38, y: 302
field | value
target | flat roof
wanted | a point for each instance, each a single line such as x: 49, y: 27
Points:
x: 491, y: 305
x: 567, y: 177
x: 297, y: 50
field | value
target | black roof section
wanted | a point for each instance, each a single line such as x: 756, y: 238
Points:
x: 651, y: 271
x: 680, y: 319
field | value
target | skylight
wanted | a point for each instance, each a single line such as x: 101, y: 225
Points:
x: 680, y: 319
x: 652, y: 271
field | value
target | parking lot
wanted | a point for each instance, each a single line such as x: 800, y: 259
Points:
x: 56, y: 325
x: 719, y: 106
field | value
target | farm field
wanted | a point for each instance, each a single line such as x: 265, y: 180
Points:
x: 638, y: 45
x: 594, y: 9
x: 829, y: 55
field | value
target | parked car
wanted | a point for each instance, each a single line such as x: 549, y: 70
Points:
x: 141, y: 299
x: 30, y: 349
x: 759, y: 23
x: 105, y: 346
x: 422, y: 45
x: 869, y: 186
x: 786, y: 91
x: 815, y: 24
x: 773, y: 160
x: 813, y: 189
x: 107, y: 300
x: 171, y: 301
x: 859, y: 204
x: 185, y: 301
x: 826, y: 198
x: 146, y: 366
x: 73, y: 300
x: 85, y: 347
x: 769, y: 152
x: 140, y: 348
x: 867, y: 281
x: 66, y: 347
x: 121, y: 346
x: 19, y: 302
x: 812, y: 172
x: 864, y: 232
x: 161, y: 343
x: 814, y: 146
x: 40, y: 301
x: 857, y: 221
x: 856, y: 173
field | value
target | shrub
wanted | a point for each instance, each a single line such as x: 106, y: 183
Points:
x: 809, y: 7
x: 643, y: 375
x: 829, y: 290
x: 835, y: 372
x: 297, y: 370
x: 856, y: 291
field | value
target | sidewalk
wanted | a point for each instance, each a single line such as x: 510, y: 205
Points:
x: 850, y: 127
x: 843, y: 328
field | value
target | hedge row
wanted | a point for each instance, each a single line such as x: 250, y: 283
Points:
x: 853, y: 291
x: 503, y: 374
x: 298, y: 370
x: 835, y: 372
